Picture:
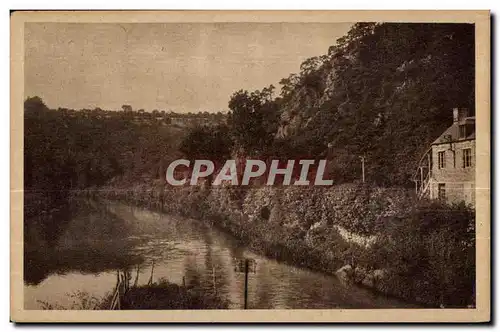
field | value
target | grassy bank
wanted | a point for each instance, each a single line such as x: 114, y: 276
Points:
x: 161, y: 295
x: 164, y: 295
x: 378, y: 237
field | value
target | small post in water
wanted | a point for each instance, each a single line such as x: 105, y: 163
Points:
x: 363, y: 168
x: 246, y: 283
x: 245, y: 266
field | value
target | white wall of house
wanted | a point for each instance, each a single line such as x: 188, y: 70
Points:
x: 459, y: 181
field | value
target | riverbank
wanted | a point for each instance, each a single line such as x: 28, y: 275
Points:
x: 164, y: 295
x: 376, y: 237
x: 161, y: 295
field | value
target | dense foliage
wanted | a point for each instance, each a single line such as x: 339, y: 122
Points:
x: 207, y: 143
x: 67, y: 149
x: 254, y: 120
x: 385, y: 91
x: 431, y: 251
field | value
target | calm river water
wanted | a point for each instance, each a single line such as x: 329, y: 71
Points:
x: 107, y: 236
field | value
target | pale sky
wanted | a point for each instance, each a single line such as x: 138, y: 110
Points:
x: 185, y: 67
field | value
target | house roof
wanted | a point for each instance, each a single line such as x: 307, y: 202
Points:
x: 453, y: 132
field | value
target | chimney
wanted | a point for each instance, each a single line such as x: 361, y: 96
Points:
x: 459, y: 114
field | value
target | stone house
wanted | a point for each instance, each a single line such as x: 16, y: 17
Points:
x: 447, y: 170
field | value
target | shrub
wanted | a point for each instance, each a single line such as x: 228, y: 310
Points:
x: 431, y: 252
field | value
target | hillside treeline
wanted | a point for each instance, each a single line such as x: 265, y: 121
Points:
x: 383, y: 91
x: 70, y: 150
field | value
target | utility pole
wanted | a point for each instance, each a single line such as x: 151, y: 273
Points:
x: 246, y: 283
x: 213, y: 280
x: 363, y: 167
x: 245, y: 266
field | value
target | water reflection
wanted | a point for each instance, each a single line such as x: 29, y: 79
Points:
x: 103, y: 238
x: 92, y: 241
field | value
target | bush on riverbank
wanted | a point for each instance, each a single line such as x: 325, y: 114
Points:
x: 428, y: 255
x: 161, y: 295
x: 164, y: 295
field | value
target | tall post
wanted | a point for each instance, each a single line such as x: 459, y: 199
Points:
x: 213, y: 280
x: 363, y: 168
x: 246, y: 283
x: 150, y: 281
x: 429, y: 163
x: 137, y: 276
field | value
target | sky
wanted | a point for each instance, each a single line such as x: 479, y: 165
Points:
x: 183, y: 67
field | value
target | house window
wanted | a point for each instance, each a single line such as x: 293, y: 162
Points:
x: 441, y: 159
x: 467, y: 158
x: 442, y: 191
x: 463, y: 131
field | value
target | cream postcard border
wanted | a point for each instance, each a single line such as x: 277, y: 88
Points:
x: 481, y: 313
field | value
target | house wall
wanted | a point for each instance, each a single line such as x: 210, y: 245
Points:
x: 459, y: 181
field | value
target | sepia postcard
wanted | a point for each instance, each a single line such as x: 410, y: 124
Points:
x: 250, y: 166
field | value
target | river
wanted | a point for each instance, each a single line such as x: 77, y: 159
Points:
x: 106, y: 236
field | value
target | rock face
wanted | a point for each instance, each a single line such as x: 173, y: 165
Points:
x: 345, y: 273
x: 306, y: 99
x: 359, y: 275
x: 297, y: 112
x: 355, y: 211
x: 365, y: 241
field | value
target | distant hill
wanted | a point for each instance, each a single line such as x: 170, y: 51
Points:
x: 68, y: 149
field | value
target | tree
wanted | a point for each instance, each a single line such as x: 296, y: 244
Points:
x: 33, y: 105
x: 289, y: 84
x: 207, y: 143
x: 254, y: 119
x: 127, y: 108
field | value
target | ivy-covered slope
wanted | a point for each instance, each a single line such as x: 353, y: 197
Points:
x: 385, y: 91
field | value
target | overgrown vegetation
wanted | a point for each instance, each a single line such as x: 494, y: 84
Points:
x: 420, y: 251
x: 161, y: 295
x: 383, y: 91
x: 164, y: 295
x: 69, y: 150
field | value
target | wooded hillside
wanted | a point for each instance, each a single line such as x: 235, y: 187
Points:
x: 385, y: 91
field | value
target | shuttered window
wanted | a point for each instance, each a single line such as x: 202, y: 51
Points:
x: 466, y: 158
x: 441, y: 159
